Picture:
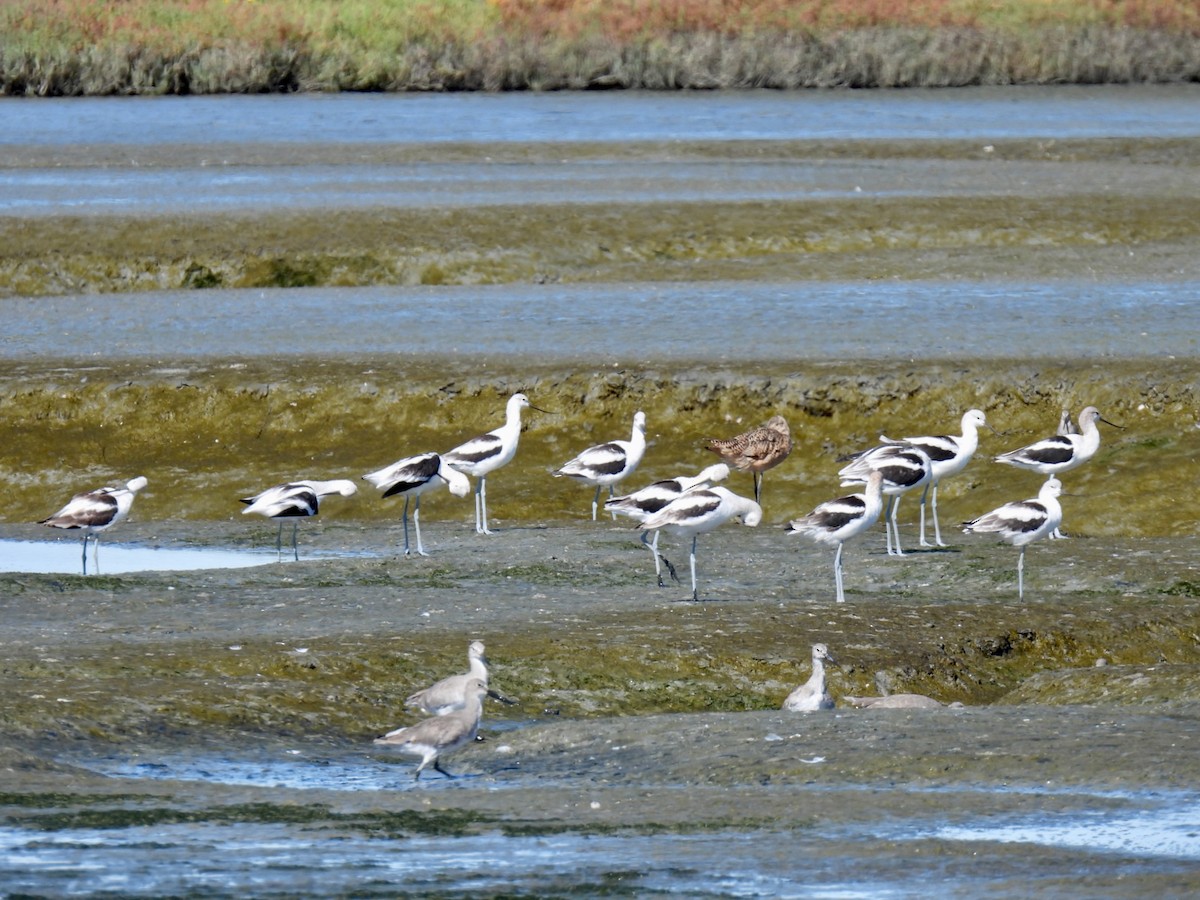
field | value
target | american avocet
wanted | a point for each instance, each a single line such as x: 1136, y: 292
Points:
x: 295, y: 500
x: 837, y: 521
x: 450, y: 693
x: 698, y: 512
x: 1060, y: 452
x: 949, y: 455
x: 904, y: 468
x: 642, y: 504
x: 756, y: 450
x: 433, y: 738
x: 813, y: 694
x: 606, y: 464
x: 488, y: 452
x: 94, y: 512
x: 414, y: 476
x: 1023, y: 522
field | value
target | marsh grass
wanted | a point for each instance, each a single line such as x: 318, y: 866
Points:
x: 90, y: 47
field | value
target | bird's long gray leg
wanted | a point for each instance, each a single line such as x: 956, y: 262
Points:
x: 937, y: 529
x: 758, y: 487
x: 417, y: 524
x: 837, y: 573
x: 895, y: 527
x: 404, y: 519
x: 1021, y: 575
x: 438, y: 765
x: 924, y: 498
x: 695, y: 592
x: 483, y: 504
x: 295, y: 548
x: 596, y: 503
x: 85, y: 539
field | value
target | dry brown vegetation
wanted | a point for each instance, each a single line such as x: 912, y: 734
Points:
x: 80, y: 47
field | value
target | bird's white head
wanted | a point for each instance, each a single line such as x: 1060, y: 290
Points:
x: 343, y: 487
x: 136, y: 484
x: 458, y: 483
x: 714, y: 473
x: 639, y: 420
x: 753, y: 514
x: 1052, y: 487
x: 475, y: 649
x: 821, y: 652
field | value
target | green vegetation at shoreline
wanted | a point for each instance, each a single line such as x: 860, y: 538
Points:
x: 92, y: 47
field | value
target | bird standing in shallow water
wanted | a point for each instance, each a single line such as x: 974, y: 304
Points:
x: 757, y: 450
x: 432, y: 738
x: 414, y: 476
x: 1023, y: 522
x: 295, y: 500
x: 606, y: 464
x: 699, y: 512
x: 949, y: 455
x: 813, y: 694
x: 642, y: 504
x: 488, y: 452
x: 94, y: 512
x: 837, y: 521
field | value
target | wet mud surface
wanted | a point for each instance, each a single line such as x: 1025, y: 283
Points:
x: 637, y: 712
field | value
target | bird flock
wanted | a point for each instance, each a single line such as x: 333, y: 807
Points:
x: 689, y: 505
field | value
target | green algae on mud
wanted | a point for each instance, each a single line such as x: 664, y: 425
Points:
x: 207, y: 433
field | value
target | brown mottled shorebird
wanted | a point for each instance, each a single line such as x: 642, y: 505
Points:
x: 813, y: 694
x: 431, y: 738
x: 756, y: 450
x: 94, y: 512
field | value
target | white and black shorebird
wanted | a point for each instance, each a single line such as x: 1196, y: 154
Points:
x: 949, y: 455
x: 604, y: 465
x: 96, y: 511
x: 1065, y: 425
x: 488, y: 452
x: 1060, y: 452
x: 756, y: 450
x: 813, y: 695
x: 700, y: 511
x: 295, y: 500
x: 450, y: 693
x: 433, y: 738
x: 642, y: 504
x: 414, y: 476
x: 904, y: 468
x: 837, y: 521
x: 1023, y: 522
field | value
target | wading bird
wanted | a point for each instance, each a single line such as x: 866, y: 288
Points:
x: 606, y: 464
x: 756, y: 450
x: 904, y: 469
x: 414, y: 476
x: 837, y: 521
x: 488, y: 452
x: 642, y: 504
x: 699, y: 512
x: 1023, y: 522
x: 94, y: 512
x: 295, y: 500
x: 432, y: 738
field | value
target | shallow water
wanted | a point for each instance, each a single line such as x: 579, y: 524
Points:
x: 65, y: 557
x: 730, y: 322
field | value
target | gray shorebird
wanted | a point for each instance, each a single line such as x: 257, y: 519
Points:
x: 813, y: 694
x: 94, y: 512
x: 433, y: 738
x: 756, y: 450
x: 450, y: 693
